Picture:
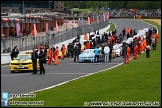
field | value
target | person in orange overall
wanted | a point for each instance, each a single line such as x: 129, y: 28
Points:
x: 135, y: 51
x: 155, y: 35
x: 56, y: 56
x: 128, y: 54
x: 144, y: 44
x: 85, y: 37
x: 88, y: 45
x: 110, y: 40
x: 63, y: 49
x: 128, y: 30
x: 141, y: 47
x: 49, y: 55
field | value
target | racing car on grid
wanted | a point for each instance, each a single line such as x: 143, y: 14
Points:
x: 22, y: 62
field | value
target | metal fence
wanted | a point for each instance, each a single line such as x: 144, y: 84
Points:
x: 27, y: 43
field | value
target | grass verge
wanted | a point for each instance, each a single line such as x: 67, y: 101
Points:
x: 112, y: 27
x: 138, y: 81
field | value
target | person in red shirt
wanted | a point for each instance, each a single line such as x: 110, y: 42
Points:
x: 88, y: 45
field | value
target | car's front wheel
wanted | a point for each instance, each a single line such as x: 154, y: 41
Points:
x: 12, y: 71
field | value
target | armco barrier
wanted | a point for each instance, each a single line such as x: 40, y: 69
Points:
x: 6, y: 58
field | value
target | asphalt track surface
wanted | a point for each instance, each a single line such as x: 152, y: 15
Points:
x: 24, y: 82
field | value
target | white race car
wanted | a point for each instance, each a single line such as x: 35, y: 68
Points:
x: 118, y: 50
x: 142, y: 33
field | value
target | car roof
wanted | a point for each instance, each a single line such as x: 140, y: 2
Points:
x: 24, y: 54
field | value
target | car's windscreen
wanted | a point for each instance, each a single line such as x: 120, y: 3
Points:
x: 19, y: 57
x: 87, y: 51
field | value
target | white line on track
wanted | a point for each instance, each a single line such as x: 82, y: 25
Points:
x: 73, y: 79
x: 45, y: 74
x: 5, y: 66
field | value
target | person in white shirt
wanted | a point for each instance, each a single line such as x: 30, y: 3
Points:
x: 106, y: 52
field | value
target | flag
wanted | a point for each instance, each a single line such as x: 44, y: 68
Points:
x: 104, y: 17
x: 100, y: 18
x: 66, y: 24
x: 82, y: 22
x: 97, y: 20
x: 17, y: 29
x: 47, y: 32
x: 35, y: 31
x: 57, y: 29
x: 88, y: 21
x: 107, y: 15
x: 73, y: 22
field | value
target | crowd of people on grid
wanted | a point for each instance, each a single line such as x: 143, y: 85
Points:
x: 139, y: 45
x: 105, y: 41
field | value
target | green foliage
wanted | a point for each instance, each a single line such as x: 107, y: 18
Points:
x: 112, y: 27
x: 114, y: 4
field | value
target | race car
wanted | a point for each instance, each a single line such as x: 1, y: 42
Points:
x: 87, y: 55
x: 118, y: 50
x: 22, y: 62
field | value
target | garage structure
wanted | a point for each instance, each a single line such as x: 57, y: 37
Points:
x: 26, y: 21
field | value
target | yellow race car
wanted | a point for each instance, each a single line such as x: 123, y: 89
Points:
x: 22, y: 62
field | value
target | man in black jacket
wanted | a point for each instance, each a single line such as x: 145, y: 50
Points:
x: 14, y: 52
x: 110, y: 52
x: 76, y: 53
x: 42, y: 58
x: 34, y: 57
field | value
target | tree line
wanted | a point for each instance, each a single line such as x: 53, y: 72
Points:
x: 114, y: 4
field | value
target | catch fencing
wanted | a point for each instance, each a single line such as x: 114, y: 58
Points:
x: 27, y: 43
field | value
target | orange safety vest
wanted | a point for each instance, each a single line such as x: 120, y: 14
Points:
x: 85, y: 37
